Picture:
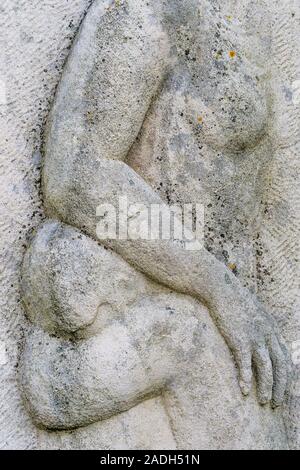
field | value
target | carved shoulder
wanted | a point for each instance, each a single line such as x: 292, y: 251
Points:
x: 119, y: 57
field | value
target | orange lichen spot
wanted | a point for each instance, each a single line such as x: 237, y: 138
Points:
x: 232, y: 266
x: 200, y: 119
x: 232, y: 54
x: 90, y: 116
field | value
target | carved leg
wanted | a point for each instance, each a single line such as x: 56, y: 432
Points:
x: 86, y: 295
x: 68, y: 384
x: 139, y: 341
x: 67, y: 277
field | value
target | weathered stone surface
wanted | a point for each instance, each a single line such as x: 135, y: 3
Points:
x: 164, y: 102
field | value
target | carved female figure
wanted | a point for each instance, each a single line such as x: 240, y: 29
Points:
x: 156, y: 104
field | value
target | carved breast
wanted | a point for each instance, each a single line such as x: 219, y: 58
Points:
x: 206, y: 145
x: 194, y: 126
x: 230, y: 115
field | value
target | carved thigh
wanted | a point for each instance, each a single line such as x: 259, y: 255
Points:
x: 105, y: 338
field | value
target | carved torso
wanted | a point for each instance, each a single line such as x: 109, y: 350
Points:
x: 170, y: 93
x: 205, y: 140
x: 199, y: 115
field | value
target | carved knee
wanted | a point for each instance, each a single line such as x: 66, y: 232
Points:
x: 67, y: 277
x: 68, y: 281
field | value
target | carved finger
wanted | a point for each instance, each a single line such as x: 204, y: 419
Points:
x: 243, y: 360
x: 264, y: 374
x: 280, y: 372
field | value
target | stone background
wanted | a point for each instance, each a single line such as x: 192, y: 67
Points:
x: 35, y: 38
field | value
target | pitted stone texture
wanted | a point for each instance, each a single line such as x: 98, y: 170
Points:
x: 278, y: 247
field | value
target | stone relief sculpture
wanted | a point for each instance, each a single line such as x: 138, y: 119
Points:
x: 145, y: 108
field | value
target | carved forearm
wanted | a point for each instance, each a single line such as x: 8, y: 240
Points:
x: 197, y: 273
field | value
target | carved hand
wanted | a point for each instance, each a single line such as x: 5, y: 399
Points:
x: 253, y: 339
